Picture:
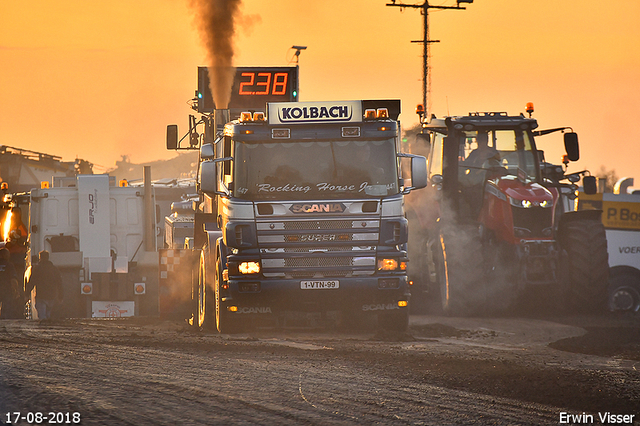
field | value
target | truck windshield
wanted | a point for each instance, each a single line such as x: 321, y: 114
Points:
x: 321, y: 170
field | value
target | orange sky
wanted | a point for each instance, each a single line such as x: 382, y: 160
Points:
x: 98, y: 80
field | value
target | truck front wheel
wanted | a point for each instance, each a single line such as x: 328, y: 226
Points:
x: 203, y: 312
x: 225, y: 323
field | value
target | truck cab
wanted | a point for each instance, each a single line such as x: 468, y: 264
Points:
x: 309, y: 205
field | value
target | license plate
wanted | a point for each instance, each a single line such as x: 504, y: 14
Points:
x: 318, y: 285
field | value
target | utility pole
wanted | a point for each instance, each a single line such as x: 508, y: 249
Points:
x: 425, y: 40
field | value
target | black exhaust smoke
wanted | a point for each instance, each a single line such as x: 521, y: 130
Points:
x: 217, y: 21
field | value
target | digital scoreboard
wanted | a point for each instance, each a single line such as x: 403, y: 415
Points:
x: 252, y: 88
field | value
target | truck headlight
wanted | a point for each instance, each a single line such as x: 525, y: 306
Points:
x: 391, y: 265
x: 249, y: 267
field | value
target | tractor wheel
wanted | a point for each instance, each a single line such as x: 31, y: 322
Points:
x: 624, y: 291
x: 501, y: 277
x: 460, y: 271
x: 586, y: 265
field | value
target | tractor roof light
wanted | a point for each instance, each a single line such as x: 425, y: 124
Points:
x: 530, y: 107
x: 420, y: 109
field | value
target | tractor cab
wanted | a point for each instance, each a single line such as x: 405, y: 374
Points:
x: 485, y: 152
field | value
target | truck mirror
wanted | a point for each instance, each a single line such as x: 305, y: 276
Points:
x: 590, y: 185
x: 571, y: 146
x: 419, y: 172
x: 206, y: 151
x: 172, y: 136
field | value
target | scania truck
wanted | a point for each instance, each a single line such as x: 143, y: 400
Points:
x: 301, y: 212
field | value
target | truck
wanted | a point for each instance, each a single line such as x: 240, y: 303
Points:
x: 300, y: 218
x: 102, y: 238
x: 621, y: 219
x: 500, y: 233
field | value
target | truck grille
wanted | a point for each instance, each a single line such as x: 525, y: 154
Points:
x: 308, y: 248
x: 318, y: 224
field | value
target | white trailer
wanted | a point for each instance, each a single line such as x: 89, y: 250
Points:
x: 102, y: 238
x: 621, y: 218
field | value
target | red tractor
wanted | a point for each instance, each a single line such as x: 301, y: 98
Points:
x: 499, y: 229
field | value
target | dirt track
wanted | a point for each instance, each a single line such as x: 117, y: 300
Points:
x: 445, y: 371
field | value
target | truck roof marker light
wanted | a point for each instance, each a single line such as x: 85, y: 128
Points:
x: 281, y: 133
x: 247, y: 132
x: 369, y: 114
x: 258, y: 116
x: 382, y: 113
x: 44, y: 185
x: 123, y: 183
x: 351, y: 132
x: 245, y: 116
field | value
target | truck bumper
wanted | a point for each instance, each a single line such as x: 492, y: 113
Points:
x: 271, y: 296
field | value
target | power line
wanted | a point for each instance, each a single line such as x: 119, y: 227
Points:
x: 426, y: 41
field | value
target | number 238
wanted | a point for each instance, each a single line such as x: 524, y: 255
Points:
x: 260, y: 83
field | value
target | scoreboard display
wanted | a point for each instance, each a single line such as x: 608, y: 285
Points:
x: 252, y: 88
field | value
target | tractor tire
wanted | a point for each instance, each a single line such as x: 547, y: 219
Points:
x: 460, y: 271
x: 501, y: 279
x: 586, y: 265
x: 624, y: 291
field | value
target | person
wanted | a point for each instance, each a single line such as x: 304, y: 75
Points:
x: 8, y: 283
x: 482, y: 153
x: 46, y: 279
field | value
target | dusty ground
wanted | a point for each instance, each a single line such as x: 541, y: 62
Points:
x: 499, y: 371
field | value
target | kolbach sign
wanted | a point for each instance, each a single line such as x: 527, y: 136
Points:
x: 315, y: 112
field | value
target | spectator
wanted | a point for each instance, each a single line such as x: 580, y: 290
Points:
x: 47, y: 281
x: 8, y: 283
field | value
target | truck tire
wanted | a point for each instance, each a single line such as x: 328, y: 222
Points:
x: 203, y: 315
x: 586, y: 265
x: 624, y: 291
x: 460, y: 270
x: 226, y: 323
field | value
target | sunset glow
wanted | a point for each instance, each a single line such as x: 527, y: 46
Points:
x: 98, y: 81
